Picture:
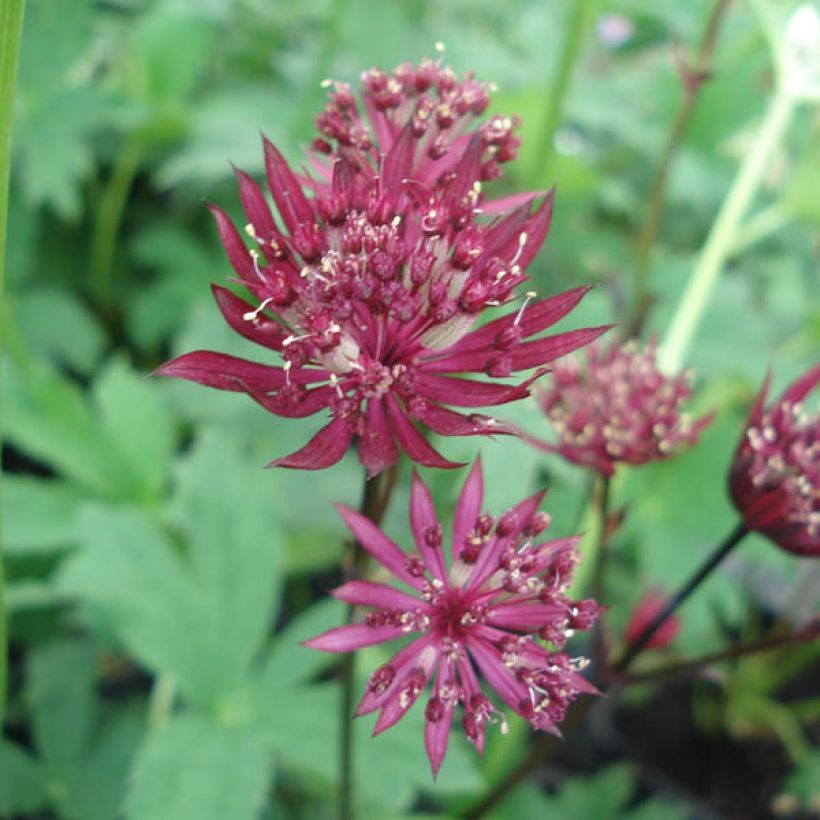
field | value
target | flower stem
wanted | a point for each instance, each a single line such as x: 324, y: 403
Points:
x: 161, y: 702
x: 580, y: 14
x: 599, y: 573
x: 693, y: 77
x: 11, y: 23
x: 807, y: 633
x: 722, y: 238
x: 108, y: 219
x: 639, y: 644
x: 375, y: 498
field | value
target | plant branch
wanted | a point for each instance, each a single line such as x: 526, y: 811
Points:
x: 640, y: 643
x: 693, y: 77
x: 580, y: 13
x: 375, y: 498
x: 807, y: 633
x: 11, y: 24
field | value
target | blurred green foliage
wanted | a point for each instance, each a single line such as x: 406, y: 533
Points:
x: 152, y: 563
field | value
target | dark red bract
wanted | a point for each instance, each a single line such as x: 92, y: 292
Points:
x: 775, y: 477
x: 385, y: 254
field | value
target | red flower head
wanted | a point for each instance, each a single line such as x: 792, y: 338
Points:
x: 487, y: 614
x: 775, y: 478
x: 385, y: 255
x: 648, y: 608
x: 617, y: 407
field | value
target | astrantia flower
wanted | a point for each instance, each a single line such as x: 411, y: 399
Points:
x: 487, y: 611
x: 775, y: 477
x: 385, y: 255
x: 617, y: 407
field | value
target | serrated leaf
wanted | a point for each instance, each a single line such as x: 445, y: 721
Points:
x: 57, y: 324
x: 223, y: 507
x: 38, y: 514
x: 22, y: 786
x: 62, y: 701
x: 137, y: 423
x: 194, y: 769
x: 46, y: 415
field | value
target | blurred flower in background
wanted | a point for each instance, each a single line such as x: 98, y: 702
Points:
x: 615, y: 406
x: 646, y: 610
x: 775, y: 477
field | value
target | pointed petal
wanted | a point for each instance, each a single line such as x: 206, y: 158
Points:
x: 449, y: 423
x: 487, y: 562
x: 466, y: 392
x: 400, y: 700
x: 524, y: 616
x: 287, y: 192
x: 412, y: 442
x: 401, y: 663
x: 541, y: 351
x: 799, y: 389
x: 323, y: 450
x: 369, y: 593
x: 468, y: 508
x: 383, y: 549
x: 294, y: 406
x: 503, y: 204
x: 501, y: 679
x: 537, y: 317
x: 351, y: 637
x: 537, y: 229
x: 260, y: 329
x: 437, y: 734
x: 223, y: 372
x: 238, y: 254
x: 254, y: 204
x: 423, y: 517
x: 377, y: 449
x: 398, y: 162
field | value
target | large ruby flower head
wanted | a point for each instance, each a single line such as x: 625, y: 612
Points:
x: 496, y: 608
x: 615, y: 406
x: 774, y: 481
x: 370, y: 284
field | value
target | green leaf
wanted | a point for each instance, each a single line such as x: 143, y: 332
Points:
x: 129, y: 569
x: 194, y: 769
x: 62, y: 702
x: 137, y: 423
x: 22, y: 787
x: 804, y: 780
x: 38, y: 514
x: 598, y: 797
x: 55, y: 323
x: 223, y: 507
x: 46, y: 415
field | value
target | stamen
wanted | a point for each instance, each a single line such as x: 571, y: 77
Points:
x: 250, y: 316
x: 334, y: 380
x: 522, y: 240
x: 531, y: 294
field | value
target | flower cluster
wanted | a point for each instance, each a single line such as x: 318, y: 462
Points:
x: 775, y: 477
x: 385, y: 255
x: 617, y: 407
x: 490, y: 612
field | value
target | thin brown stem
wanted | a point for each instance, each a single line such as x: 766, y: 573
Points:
x: 809, y: 633
x: 693, y: 77
x: 602, y: 489
x: 375, y: 498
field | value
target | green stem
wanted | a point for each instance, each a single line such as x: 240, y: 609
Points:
x: 581, y: 12
x: 162, y: 701
x: 375, y: 498
x: 693, y: 78
x: 108, y: 219
x: 11, y: 24
x: 723, y: 236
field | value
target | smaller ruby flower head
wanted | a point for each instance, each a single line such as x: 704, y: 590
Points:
x: 774, y: 481
x: 647, y: 609
x: 368, y: 278
x: 489, y: 611
x: 617, y: 407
